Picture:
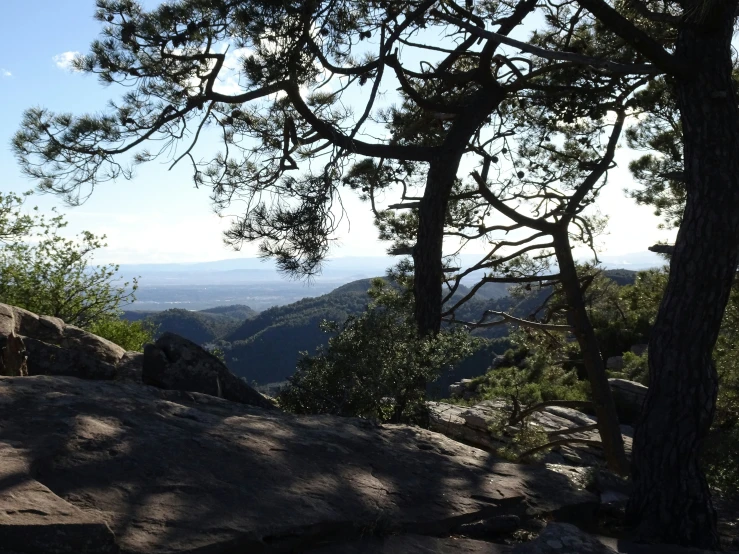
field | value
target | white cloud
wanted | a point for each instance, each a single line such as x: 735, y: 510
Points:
x: 5, y: 73
x: 64, y: 60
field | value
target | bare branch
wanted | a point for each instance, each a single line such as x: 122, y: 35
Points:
x: 626, y: 69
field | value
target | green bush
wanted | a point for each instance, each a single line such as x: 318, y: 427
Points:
x: 48, y: 274
x: 130, y: 335
x: 376, y: 366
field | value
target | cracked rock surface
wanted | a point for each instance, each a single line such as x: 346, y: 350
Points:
x: 163, y: 471
x: 471, y: 424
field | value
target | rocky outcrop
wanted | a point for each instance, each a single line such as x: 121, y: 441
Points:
x: 563, y: 538
x: 13, y: 359
x: 629, y: 398
x: 52, y: 347
x: 176, y: 363
x: 472, y: 425
x: 174, y: 472
x: 40, y: 345
x: 131, y: 367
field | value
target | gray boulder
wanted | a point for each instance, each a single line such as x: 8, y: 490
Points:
x: 474, y: 425
x: 629, y: 398
x: 131, y: 367
x: 48, y: 359
x: 615, y: 363
x: 563, y: 538
x: 13, y: 359
x: 52, y: 347
x: 175, y: 363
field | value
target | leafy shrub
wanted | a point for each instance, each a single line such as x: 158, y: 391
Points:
x: 130, y: 335
x: 48, y: 274
x: 635, y: 368
x: 376, y: 366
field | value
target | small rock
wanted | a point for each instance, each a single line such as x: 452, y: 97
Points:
x: 563, y: 538
x: 615, y: 363
x: 629, y: 398
x: 13, y: 356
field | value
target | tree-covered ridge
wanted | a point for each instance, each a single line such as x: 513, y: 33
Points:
x: 235, y: 311
x: 266, y: 348
x: 200, y: 327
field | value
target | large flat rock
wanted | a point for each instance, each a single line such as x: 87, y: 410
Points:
x: 172, y: 471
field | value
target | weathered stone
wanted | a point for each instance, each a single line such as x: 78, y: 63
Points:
x: 615, y: 363
x: 174, y: 472
x: 130, y: 368
x: 48, y: 359
x: 102, y: 349
x: 176, y: 363
x: 473, y: 425
x: 563, y: 538
x: 629, y: 398
x: 13, y: 356
x: 54, y: 348
x: 34, y: 520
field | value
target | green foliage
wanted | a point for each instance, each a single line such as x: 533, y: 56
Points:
x: 377, y: 365
x: 130, y: 335
x: 45, y: 273
x: 536, y: 382
x: 200, y: 327
x: 636, y: 368
x: 623, y: 316
x: 220, y: 354
x: 267, y: 347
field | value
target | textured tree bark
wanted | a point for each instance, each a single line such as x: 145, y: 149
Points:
x: 605, y: 409
x: 432, y: 211
x: 671, y: 501
x: 427, y: 253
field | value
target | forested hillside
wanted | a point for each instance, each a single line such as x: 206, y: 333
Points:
x: 200, y: 327
x: 265, y: 347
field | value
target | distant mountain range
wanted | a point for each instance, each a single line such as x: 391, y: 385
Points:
x: 264, y: 347
x: 256, y: 283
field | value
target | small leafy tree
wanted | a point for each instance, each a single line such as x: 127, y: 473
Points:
x: 372, y: 366
x: 48, y: 274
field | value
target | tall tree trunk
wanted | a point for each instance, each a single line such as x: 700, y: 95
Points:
x: 671, y: 501
x: 428, y: 251
x: 605, y: 409
x: 432, y: 211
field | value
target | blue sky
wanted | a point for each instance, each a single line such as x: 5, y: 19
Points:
x: 159, y: 216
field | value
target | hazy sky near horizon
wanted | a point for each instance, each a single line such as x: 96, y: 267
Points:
x: 159, y: 216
